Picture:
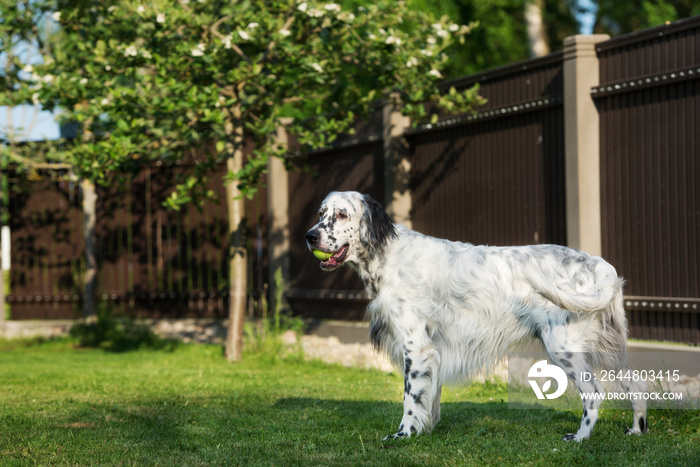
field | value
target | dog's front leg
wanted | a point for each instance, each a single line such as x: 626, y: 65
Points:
x: 421, y: 398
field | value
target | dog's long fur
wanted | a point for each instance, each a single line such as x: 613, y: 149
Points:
x: 444, y: 311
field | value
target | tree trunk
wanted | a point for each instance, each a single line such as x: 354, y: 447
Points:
x: 89, y: 219
x: 3, y: 249
x: 238, y: 273
x: 536, y: 33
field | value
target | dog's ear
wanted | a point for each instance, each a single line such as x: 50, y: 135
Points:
x: 376, y: 227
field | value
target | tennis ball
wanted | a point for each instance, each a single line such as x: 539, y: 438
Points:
x: 322, y: 255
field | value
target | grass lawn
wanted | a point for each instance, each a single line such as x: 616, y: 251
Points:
x: 64, y: 406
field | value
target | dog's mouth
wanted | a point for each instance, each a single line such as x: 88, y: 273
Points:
x: 336, y: 260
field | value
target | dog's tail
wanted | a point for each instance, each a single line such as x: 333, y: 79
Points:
x: 613, y: 339
x: 598, y: 294
x: 604, y: 298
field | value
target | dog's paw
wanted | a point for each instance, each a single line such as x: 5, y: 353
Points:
x: 642, y: 426
x: 402, y: 433
x: 398, y: 435
x: 571, y: 437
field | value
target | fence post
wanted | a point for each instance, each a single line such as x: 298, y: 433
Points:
x: 397, y: 164
x: 278, y: 215
x: 582, y: 143
x: 4, y: 246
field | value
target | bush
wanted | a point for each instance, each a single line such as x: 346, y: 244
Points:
x: 118, y: 334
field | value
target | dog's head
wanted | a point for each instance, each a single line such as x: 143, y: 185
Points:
x: 352, y: 227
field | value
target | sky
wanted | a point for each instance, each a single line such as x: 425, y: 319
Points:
x: 32, y: 124
x: 587, y: 19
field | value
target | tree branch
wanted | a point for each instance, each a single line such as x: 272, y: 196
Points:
x: 271, y: 45
x: 215, y: 27
x: 215, y: 31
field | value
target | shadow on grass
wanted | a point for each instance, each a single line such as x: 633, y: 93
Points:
x: 481, y: 418
x: 458, y: 416
x: 298, y: 430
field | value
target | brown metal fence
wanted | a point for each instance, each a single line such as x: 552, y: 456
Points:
x: 649, y: 107
x: 47, y: 248
x: 152, y: 262
x: 496, y: 177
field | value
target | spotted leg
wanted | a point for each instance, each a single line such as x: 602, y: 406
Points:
x: 421, y: 398
x: 635, y: 389
x: 556, y: 341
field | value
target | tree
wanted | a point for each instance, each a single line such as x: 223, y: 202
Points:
x: 538, y: 44
x: 615, y: 18
x: 155, y: 80
x: 502, y: 36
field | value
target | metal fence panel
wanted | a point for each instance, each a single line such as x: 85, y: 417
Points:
x: 152, y: 262
x: 46, y: 248
x: 649, y: 107
x: 159, y: 263
x: 496, y: 177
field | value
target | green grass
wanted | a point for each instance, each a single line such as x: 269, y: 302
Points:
x: 188, y: 406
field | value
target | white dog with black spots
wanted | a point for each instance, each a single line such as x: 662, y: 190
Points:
x: 444, y: 311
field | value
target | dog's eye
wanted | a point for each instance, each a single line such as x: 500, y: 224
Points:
x: 341, y: 215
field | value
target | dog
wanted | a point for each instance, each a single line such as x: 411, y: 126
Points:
x: 444, y: 311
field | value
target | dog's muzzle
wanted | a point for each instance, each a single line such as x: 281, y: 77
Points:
x: 313, y: 238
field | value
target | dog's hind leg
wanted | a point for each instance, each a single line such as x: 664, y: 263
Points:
x: 635, y: 393
x: 436, y: 406
x: 421, y: 399
x: 556, y: 341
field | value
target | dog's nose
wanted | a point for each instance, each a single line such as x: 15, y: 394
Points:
x: 312, y: 236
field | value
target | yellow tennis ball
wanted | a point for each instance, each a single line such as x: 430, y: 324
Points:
x: 322, y: 255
